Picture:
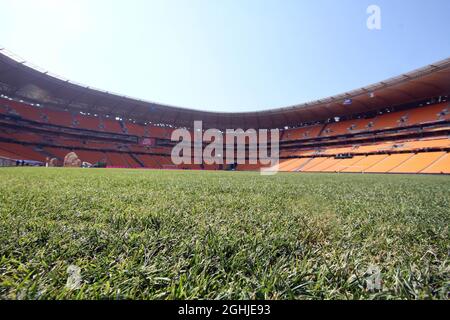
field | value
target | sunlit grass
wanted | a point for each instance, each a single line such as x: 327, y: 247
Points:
x: 221, y: 235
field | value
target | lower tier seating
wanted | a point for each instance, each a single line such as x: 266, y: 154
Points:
x: 21, y: 152
x: 422, y: 162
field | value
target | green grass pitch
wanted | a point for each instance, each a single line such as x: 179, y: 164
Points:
x: 137, y: 234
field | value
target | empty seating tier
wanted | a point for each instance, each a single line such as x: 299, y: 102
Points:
x: 441, y: 165
x: 368, y: 144
x: 418, y: 162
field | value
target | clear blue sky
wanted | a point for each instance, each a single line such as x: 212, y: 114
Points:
x: 226, y: 55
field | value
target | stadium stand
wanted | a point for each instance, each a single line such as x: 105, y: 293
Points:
x: 303, y: 133
x: 112, y: 126
x: 63, y: 119
x: 403, y: 137
x: 418, y: 162
x: 440, y: 166
x: 23, y: 111
x: 136, y: 129
x: 365, y: 163
x: 87, y: 122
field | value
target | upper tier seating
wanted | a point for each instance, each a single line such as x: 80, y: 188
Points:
x: 302, y: 133
x: 59, y: 153
x: 159, y: 132
x: 4, y: 109
x: 424, y: 162
x: 390, y: 120
x: 250, y: 167
x: 116, y: 160
x: 392, y: 146
x: 390, y: 163
x: 401, y: 154
x: 60, y: 118
x: 365, y: 163
x: 136, y: 129
x: 293, y: 164
x: 91, y: 156
x: 87, y: 122
x: 9, y: 155
x: 23, y: 110
x: 323, y: 165
x: 428, y: 114
x: 149, y: 161
x: 312, y: 163
x: 343, y: 164
x: 130, y: 161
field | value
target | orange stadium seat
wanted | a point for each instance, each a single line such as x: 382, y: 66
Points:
x: 112, y: 126
x: 91, y: 156
x: 210, y: 167
x: 336, y: 151
x: 445, y: 115
x: 159, y: 132
x: 163, y: 161
x: 288, y: 165
x: 298, y: 153
x: 427, y: 144
x: 390, y: 163
x: 337, y: 128
x: 441, y: 165
x: 389, y: 120
x: 379, y: 147
x: 362, y: 125
x: 87, y: 122
x: 22, y: 152
x: 418, y: 162
x: 190, y: 167
x: 413, y: 138
x: 365, y: 163
x: 136, y: 129
x: 426, y: 114
x: 302, y: 133
x: 23, y: 136
x: 60, y: 118
x: 344, y: 164
x: 25, y: 111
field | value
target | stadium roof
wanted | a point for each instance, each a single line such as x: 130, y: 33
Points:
x: 19, y: 78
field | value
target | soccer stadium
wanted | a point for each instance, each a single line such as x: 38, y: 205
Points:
x: 400, y: 125
x: 93, y: 206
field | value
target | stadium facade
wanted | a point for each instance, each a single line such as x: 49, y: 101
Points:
x: 401, y: 125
